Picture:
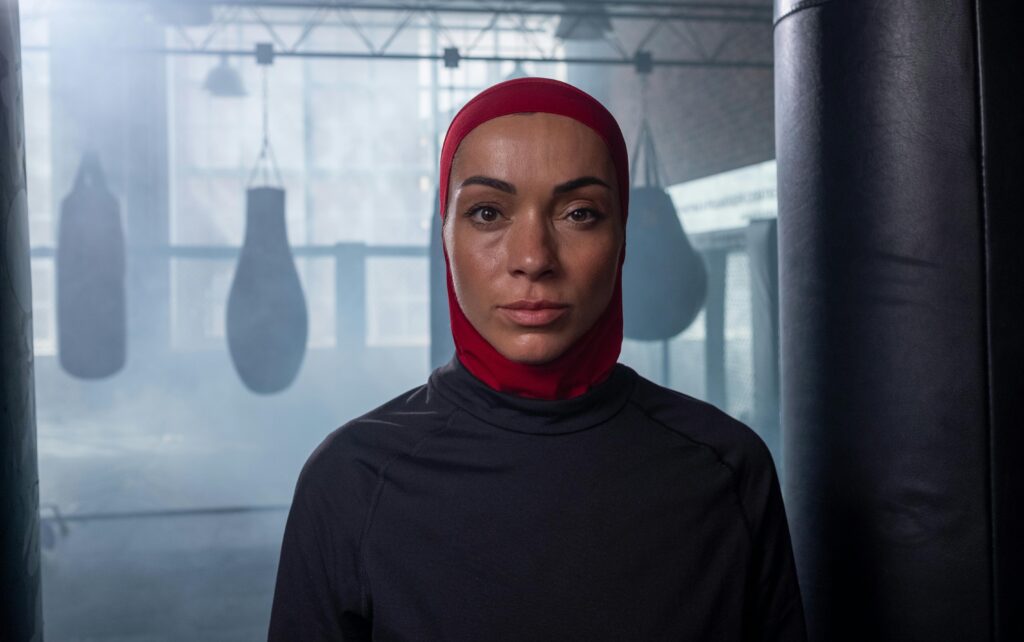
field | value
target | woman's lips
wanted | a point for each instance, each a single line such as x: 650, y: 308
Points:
x: 535, y: 317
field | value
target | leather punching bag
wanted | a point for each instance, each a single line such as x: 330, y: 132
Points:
x: 90, y: 265
x: 664, y: 281
x: 899, y: 148
x: 21, y: 612
x: 267, y: 323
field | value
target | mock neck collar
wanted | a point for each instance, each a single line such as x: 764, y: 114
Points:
x: 529, y: 415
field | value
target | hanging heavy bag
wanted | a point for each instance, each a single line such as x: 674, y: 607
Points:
x: 90, y: 265
x: 267, y: 323
x: 442, y: 345
x: 664, y: 281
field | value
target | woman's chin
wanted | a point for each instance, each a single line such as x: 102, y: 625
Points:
x: 534, y: 350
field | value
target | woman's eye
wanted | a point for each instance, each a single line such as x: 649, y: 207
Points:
x: 486, y: 214
x: 583, y: 215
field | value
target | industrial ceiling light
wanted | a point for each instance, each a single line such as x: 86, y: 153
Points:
x: 585, y: 22
x: 223, y: 80
x: 517, y: 72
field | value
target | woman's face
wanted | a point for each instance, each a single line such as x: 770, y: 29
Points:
x: 533, y: 221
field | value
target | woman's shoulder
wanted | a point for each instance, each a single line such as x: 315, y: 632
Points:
x: 364, y: 444
x: 734, y: 443
x: 736, y: 446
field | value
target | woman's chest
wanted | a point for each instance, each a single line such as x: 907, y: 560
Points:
x: 556, y: 540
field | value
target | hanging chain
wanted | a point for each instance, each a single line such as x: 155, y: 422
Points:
x: 266, y: 150
x: 645, y: 142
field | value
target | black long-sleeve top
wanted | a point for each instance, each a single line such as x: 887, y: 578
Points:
x: 455, y: 512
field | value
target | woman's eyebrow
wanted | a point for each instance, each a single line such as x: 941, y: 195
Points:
x: 576, y: 183
x: 489, y: 182
x: 567, y: 186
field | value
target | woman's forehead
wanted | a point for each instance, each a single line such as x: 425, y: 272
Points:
x: 503, y: 143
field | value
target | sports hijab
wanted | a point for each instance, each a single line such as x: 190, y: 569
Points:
x: 590, y: 359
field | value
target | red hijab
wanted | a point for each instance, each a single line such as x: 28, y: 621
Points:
x: 590, y: 360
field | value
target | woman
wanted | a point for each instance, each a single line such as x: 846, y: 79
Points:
x: 533, y: 488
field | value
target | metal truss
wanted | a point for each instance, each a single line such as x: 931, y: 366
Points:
x: 461, y: 25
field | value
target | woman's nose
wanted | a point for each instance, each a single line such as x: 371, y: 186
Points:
x: 531, y: 247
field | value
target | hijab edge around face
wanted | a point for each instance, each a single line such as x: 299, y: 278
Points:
x: 591, y: 358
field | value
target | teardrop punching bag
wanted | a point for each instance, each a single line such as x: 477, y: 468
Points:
x: 267, y: 323
x: 664, y: 282
x: 900, y: 145
x: 442, y: 345
x: 90, y: 265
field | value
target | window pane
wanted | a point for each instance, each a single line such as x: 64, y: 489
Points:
x: 44, y: 307
x: 199, y: 295
x: 396, y: 310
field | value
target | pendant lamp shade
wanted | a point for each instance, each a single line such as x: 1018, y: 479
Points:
x: 267, y: 322
x: 90, y: 266
x: 518, y: 71
x: 223, y: 80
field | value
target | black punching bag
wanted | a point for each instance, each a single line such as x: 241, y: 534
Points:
x: 899, y: 148
x: 20, y: 586
x: 91, y: 334
x: 664, y: 281
x: 442, y: 345
x: 267, y: 324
